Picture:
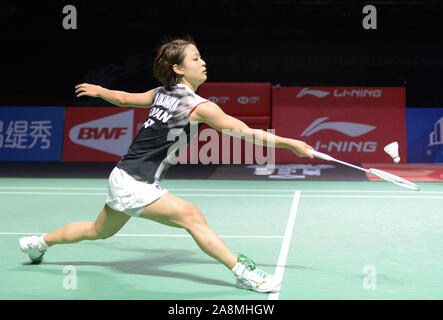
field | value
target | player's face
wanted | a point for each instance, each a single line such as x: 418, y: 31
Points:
x: 193, y: 67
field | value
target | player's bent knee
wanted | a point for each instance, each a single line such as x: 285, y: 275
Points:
x: 97, y: 234
x: 105, y: 235
x: 193, y: 217
x: 101, y: 236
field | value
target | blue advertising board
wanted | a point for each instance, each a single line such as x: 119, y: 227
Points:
x: 424, y: 132
x: 31, y: 133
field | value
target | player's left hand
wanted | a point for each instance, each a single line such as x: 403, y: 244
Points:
x: 86, y: 89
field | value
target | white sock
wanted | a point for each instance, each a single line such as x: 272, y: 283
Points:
x: 238, y: 269
x: 42, y: 242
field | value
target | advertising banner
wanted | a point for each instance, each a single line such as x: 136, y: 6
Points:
x: 425, y: 134
x: 239, y: 98
x: 104, y: 134
x: 419, y: 172
x: 339, y: 96
x: 31, y: 133
x: 246, y: 101
x: 100, y: 133
x: 351, y: 124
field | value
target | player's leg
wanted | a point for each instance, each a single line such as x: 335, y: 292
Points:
x: 108, y: 223
x: 173, y: 211
x: 176, y: 212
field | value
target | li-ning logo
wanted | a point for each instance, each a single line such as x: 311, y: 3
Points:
x: 315, y: 93
x: 351, y: 129
x: 342, y: 93
x: 358, y: 93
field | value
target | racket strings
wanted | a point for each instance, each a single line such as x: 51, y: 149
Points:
x: 393, y: 178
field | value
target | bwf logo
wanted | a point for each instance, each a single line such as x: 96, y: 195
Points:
x: 98, y: 133
x: 112, y: 134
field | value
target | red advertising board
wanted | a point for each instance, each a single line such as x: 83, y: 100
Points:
x: 213, y: 147
x: 349, y: 123
x: 239, y: 98
x: 339, y: 96
x: 246, y: 101
x: 427, y: 172
x: 104, y: 133
x: 100, y: 133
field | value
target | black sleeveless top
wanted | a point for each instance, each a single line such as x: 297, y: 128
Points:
x: 165, y: 132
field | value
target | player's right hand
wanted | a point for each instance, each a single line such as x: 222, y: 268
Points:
x: 301, y: 149
x: 86, y: 89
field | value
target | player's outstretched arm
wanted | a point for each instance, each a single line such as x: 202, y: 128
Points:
x: 118, y: 98
x: 213, y: 115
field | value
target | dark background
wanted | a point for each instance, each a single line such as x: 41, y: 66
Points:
x: 308, y: 43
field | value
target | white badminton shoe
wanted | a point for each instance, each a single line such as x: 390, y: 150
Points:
x: 249, y: 277
x: 34, y: 247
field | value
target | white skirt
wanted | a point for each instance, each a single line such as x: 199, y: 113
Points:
x: 131, y: 196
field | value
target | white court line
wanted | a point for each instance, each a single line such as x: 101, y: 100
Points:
x: 306, y: 190
x: 411, y: 196
x: 184, y: 194
x: 151, y: 235
x: 231, y: 190
x: 53, y: 188
x: 367, y: 196
x: 57, y: 193
x: 285, y: 245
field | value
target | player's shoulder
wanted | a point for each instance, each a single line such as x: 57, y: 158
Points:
x: 156, y: 91
x: 194, y: 98
x: 205, y: 110
x: 206, y: 105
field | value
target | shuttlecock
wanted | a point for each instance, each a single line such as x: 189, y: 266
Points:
x: 392, y: 150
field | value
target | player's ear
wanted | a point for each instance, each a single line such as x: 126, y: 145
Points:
x: 178, y: 69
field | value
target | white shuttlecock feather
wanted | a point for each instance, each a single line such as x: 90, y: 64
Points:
x: 392, y: 150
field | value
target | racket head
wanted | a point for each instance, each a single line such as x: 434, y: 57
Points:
x: 394, y: 179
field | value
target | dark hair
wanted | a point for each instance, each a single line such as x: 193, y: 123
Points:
x: 170, y: 52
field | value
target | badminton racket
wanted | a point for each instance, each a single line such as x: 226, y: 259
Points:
x: 376, y: 172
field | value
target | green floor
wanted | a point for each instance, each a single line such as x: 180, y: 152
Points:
x: 340, y: 229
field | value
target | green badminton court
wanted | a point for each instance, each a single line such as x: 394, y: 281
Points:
x: 328, y: 240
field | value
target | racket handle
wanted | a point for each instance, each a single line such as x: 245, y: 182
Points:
x: 321, y: 155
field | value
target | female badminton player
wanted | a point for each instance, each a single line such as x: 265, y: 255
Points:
x: 134, y: 189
